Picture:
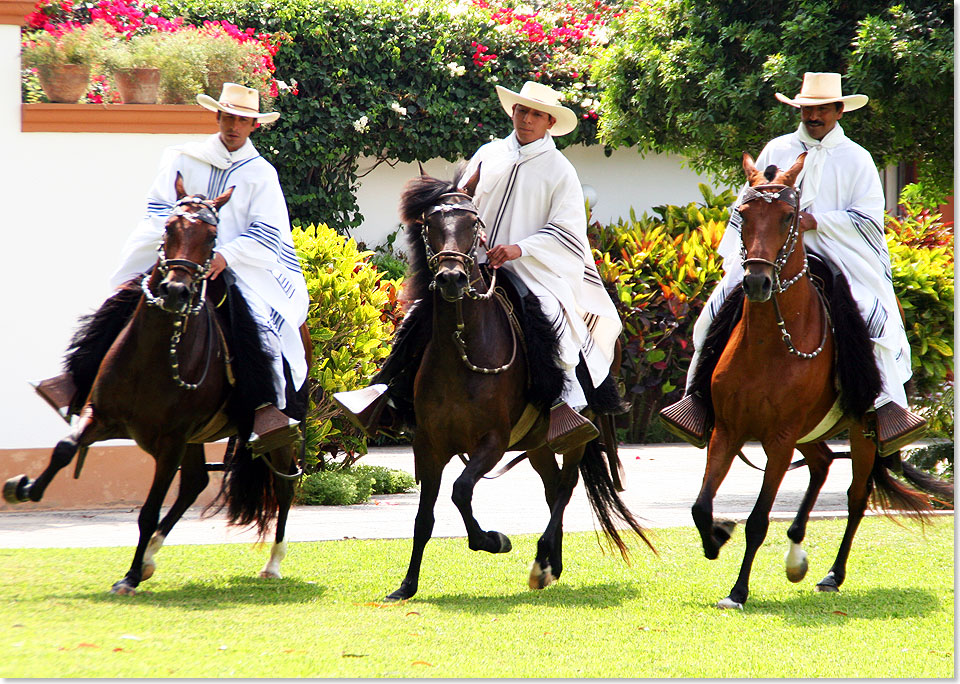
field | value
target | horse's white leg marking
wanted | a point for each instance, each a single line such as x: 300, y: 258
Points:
x: 796, y: 562
x: 540, y: 577
x: 729, y: 604
x: 149, y: 565
x: 277, y: 554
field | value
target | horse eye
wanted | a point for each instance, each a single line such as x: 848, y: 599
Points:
x: 788, y: 219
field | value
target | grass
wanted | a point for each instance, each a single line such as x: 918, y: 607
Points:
x: 204, y: 614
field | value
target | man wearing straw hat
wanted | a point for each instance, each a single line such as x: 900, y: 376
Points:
x: 531, y: 202
x: 253, y: 242
x: 842, y: 203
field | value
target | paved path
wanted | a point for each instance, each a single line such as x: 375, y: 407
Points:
x: 662, y: 482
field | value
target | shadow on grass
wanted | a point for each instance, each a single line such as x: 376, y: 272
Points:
x: 240, y: 589
x: 604, y: 595
x: 838, y: 608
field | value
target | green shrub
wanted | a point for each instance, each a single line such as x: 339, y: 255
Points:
x: 344, y: 486
x: 352, y: 315
x: 386, y: 480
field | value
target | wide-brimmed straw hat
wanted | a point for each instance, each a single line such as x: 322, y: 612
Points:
x: 822, y: 87
x: 543, y: 98
x: 240, y: 101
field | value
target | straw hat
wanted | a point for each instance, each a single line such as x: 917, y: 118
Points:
x: 542, y: 98
x: 240, y: 101
x: 820, y: 88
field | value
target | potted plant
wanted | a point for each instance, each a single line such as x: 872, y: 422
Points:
x: 63, y: 58
x: 224, y: 55
x: 135, y: 67
x: 183, y: 66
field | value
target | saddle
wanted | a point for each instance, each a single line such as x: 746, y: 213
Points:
x: 857, y: 376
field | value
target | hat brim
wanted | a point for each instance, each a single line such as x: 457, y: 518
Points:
x: 850, y: 102
x: 566, y: 119
x: 209, y: 103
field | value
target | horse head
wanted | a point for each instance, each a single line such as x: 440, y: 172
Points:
x: 450, y: 230
x: 770, y: 228
x: 187, y: 248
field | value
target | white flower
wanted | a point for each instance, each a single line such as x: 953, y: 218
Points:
x: 466, y: 119
x: 494, y: 79
x: 600, y: 36
x: 578, y: 86
x: 395, y: 106
x: 523, y: 9
x: 361, y: 124
x: 587, y: 102
x: 456, y: 69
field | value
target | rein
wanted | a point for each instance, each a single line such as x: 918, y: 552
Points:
x: 468, y: 261
x: 791, y: 197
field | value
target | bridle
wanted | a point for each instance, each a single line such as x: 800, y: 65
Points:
x: 467, y: 261
x: 207, y: 213
x: 791, y: 197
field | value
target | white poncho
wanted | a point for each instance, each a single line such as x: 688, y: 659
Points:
x: 530, y: 196
x: 840, y: 186
x: 253, y: 236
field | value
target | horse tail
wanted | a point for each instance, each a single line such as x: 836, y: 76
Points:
x: 247, y: 490
x: 605, y: 499
x: 890, y: 494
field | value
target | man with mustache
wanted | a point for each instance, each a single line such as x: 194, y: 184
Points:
x: 842, y: 204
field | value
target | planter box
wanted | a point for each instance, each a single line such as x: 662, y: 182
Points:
x: 13, y: 12
x: 111, y: 118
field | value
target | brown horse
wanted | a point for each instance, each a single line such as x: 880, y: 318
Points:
x: 141, y: 392
x: 470, y: 390
x: 778, y: 387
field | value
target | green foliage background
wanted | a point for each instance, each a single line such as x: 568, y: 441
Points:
x: 699, y: 78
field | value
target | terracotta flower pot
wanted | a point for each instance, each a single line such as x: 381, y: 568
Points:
x: 64, y: 82
x: 138, y: 86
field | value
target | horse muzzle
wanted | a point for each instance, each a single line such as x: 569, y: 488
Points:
x: 452, y: 283
x: 174, y: 296
x: 758, y: 283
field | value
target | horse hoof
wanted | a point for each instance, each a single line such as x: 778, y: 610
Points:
x: 398, y: 595
x: 828, y: 584
x: 796, y: 563
x: 540, y: 577
x: 270, y: 574
x: 503, y: 541
x: 123, y: 588
x: 729, y: 604
x: 15, y: 489
x: 147, y: 570
x: 723, y: 530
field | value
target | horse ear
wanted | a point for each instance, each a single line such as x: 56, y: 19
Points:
x: 471, y: 185
x: 224, y: 198
x: 422, y: 171
x: 750, y: 168
x: 789, y: 177
x: 178, y: 186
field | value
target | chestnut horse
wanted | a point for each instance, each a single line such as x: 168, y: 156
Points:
x: 778, y: 387
x: 471, y: 390
x: 141, y: 392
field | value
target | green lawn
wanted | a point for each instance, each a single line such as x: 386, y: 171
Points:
x: 204, y: 614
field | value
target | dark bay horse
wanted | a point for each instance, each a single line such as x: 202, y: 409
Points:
x: 165, y: 383
x: 778, y: 387
x: 469, y: 392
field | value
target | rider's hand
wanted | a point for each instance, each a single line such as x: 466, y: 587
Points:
x: 217, y: 265
x: 501, y: 254
x: 807, y: 221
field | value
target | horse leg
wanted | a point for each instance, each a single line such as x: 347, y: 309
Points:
x: 558, y: 486
x: 818, y: 457
x: 714, y: 533
x: 481, y: 462
x: 759, y: 521
x: 285, y: 462
x: 167, y: 462
x: 193, y: 480
x: 430, y: 470
x: 87, y: 431
x: 862, y: 456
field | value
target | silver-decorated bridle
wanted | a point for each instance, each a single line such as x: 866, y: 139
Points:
x: 207, y: 213
x: 791, y: 197
x: 467, y: 260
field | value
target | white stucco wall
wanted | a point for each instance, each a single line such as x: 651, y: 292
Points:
x: 70, y: 199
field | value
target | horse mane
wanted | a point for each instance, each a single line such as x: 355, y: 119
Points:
x: 419, y: 194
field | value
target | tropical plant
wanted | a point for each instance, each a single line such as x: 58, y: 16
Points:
x: 352, y: 316
x: 81, y: 44
x: 142, y: 51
